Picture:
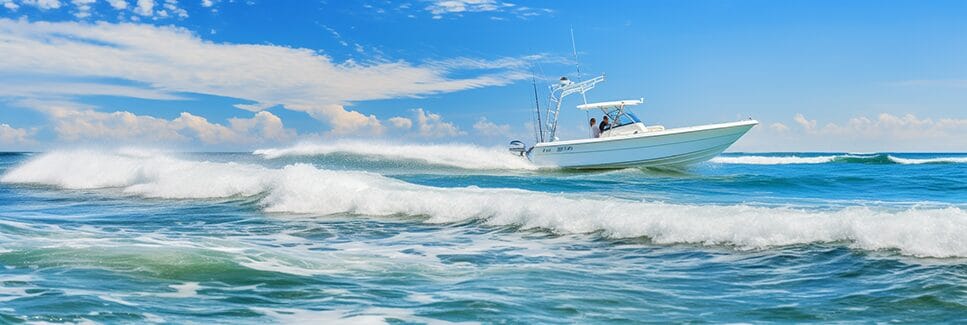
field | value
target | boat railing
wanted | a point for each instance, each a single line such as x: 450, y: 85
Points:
x: 561, y: 90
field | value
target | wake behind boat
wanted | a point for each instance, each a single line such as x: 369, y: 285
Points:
x: 626, y: 142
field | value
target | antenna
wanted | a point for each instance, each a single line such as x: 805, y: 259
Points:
x: 574, y: 49
x: 577, y: 66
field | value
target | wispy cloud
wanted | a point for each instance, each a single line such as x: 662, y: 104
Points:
x: 49, y: 89
x: 170, y: 59
x: 441, y: 8
x: 336, y: 35
x: 464, y: 63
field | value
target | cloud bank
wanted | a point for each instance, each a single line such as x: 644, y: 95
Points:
x: 168, y: 60
x: 884, y: 132
x: 79, y: 123
x: 14, y: 136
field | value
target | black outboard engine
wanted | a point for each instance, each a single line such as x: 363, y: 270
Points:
x: 518, y: 147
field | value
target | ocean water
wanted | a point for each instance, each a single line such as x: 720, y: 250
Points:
x: 380, y: 233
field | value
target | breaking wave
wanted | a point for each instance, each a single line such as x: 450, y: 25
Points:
x: 454, y: 155
x: 772, y: 160
x: 884, y: 159
x: 303, y: 188
x: 940, y: 160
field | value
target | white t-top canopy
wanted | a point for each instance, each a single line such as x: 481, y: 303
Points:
x: 617, y: 103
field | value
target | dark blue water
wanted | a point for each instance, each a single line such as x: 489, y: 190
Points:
x: 457, y: 233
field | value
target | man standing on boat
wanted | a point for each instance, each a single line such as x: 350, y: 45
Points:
x: 604, y: 124
x: 595, y: 131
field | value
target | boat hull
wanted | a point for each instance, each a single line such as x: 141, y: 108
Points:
x: 668, y: 148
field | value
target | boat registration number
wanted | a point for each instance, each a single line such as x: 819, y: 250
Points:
x: 558, y: 149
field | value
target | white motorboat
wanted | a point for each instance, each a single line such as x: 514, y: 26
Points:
x: 627, y: 142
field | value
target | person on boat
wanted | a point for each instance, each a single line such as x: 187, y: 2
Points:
x: 604, y: 124
x: 595, y: 132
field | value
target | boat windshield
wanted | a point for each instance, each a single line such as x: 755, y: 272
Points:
x: 626, y: 118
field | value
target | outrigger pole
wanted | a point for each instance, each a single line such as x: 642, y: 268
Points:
x: 537, y: 110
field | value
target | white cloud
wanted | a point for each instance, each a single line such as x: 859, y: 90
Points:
x: 83, y: 8
x: 13, y: 136
x: 884, y: 132
x: 43, y: 4
x: 906, y: 127
x: 203, y: 130
x: 401, y: 122
x: 254, y: 107
x: 336, y: 35
x: 342, y: 121
x: 478, y: 64
x: 170, y: 59
x: 172, y: 7
x: 207, y: 3
x: 144, y: 7
x: 808, y: 125
x: 49, y: 89
x: 490, y: 129
x: 432, y: 125
x: 455, y: 6
x: 118, y: 4
x: 74, y: 122
x: 439, y: 8
x: 265, y: 124
x: 10, y: 5
x: 155, y: 9
x: 779, y: 127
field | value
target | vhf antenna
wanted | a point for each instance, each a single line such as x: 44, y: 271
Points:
x: 577, y: 66
x: 574, y: 49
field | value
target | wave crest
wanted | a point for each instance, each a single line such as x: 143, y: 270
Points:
x: 302, y: 188
x: 885, y: 159
x: 453, y: 155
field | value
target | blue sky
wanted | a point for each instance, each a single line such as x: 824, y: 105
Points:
x: 238, y: 75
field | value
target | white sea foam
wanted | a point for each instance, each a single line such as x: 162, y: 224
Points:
x: 772, y: 160
x: 152, y: 318
x: 184, y: 290
x: 372, y: 315
x: 939, y: 160
x: 150, y: 175
x: 454, y: 155
x: 854, y: 157
x: 302, y: 188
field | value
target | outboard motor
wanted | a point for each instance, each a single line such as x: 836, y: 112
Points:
x: 518, y: 147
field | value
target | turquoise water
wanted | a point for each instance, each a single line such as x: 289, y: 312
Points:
x: 456, y: 233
